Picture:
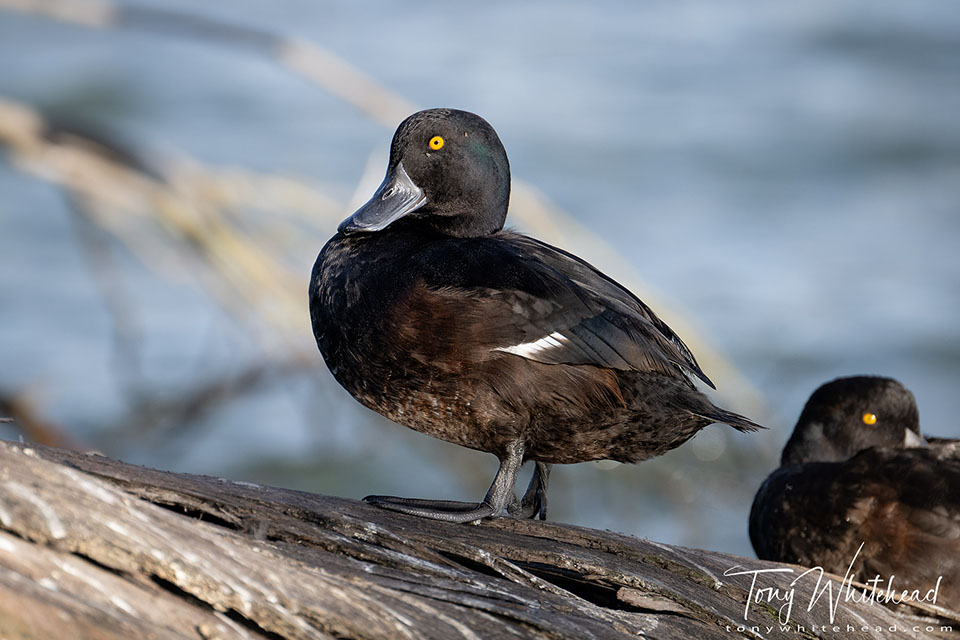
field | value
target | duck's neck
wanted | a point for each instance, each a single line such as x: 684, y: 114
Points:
x: 466, y: 226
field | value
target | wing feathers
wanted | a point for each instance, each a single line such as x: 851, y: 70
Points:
x: 528, y: 299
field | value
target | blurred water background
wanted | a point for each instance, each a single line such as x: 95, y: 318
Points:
x: 780, y: 180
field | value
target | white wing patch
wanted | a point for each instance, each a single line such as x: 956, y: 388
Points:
x: 529, y: 349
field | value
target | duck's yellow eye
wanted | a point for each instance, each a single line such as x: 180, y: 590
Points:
x: 869, y: 418
x: 436, y: 142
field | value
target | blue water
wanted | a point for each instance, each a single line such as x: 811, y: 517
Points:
x: 787, y: 177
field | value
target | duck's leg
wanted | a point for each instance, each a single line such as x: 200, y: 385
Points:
x: 499, y: 496
x: 533, y: 505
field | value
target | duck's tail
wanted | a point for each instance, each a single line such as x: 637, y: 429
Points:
x: 735, y: 420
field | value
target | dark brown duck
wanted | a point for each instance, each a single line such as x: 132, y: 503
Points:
x: 858, y: 471
x: 429, y: 313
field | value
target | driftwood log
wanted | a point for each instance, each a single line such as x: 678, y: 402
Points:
x: 95, y: 548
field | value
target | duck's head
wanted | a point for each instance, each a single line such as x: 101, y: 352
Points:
x: 848, y: 415
x: 448, y: 170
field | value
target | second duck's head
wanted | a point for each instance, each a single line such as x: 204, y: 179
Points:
x: 848, y: 415
x: 448, y: 170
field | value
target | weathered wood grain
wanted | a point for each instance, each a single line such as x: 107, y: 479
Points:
x: 95, y: 548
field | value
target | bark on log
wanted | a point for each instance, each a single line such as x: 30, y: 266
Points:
x: 95, y: 548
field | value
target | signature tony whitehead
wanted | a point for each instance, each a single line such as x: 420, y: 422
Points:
x: 844, y: 591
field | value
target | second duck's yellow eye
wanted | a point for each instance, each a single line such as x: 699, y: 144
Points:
x: 869, y: 418
x: 436, y: 142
